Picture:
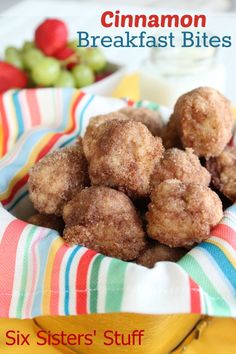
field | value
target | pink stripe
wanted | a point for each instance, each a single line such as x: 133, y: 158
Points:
x: 8, y: 250
x: 33, y: 107
x: 34, y: 272
x: 226, y: 233
x: 55, y: 281
x: 195, y: 299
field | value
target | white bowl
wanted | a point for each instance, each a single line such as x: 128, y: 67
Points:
x: 106, y: 86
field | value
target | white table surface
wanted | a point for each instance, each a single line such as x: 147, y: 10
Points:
x: 18, y: 23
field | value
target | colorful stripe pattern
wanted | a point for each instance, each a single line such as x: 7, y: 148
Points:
x: 41, y: 275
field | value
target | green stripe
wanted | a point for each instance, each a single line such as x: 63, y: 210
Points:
x: 150, y: 105
x: 115, y: 290
x: 139, y: 104
x: 153, y: 106
x: 192, y: 267
x: 94, y: 283
x: 25, y: 259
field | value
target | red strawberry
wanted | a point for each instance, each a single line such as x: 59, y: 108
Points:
x: 102, y: 76
x: 11, y: 77
x: 71, y: 64
x: 64, y: 53
x: 51, y: 36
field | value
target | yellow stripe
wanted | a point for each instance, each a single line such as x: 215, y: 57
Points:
x: 26, y: 167
x: 35, y: 152
x: 57, y: 243
x: 74, y: 98
x: 224, y: 250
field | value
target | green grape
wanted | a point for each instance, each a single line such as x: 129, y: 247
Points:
x: 65, y: 79
x: 73, y: 44
x: 46, y: 72
x: 95, y: 59
x: 83, y: 75
x: 28, y: 45
x: 13, y: 56
x: 32, y: 57
x: 81, y: 51
x: 10, y: 51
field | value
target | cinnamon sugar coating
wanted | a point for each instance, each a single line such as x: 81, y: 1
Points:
x: 181, y: 214
x: 152, y: 119
x: 182, y: 165
x: 156, y: 252
x: 124, y: 157
x: 170, y: 134
x: 91, y: 130
x: 106, y: 221
x: 223, y: 171
x: 55, y: 179
x: 204, y: 120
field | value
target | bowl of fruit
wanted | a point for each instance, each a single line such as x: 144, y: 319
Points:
x: 52, y: 60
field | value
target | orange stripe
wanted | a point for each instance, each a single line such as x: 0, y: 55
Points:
x: 226, y: 233
x: 5, y: 129
x: 195, y: 299
x: 82, y: 280
x: 33, y: 107
x: 20, y: 183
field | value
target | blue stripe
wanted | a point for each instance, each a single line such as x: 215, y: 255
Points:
x: 232, y: 209
x: 19, y: 117
x: 67, y: 279
x: 24, y: 150
x: 81, y: 120
x: 67, y: 97
x: 82, y: 113
x: 222, y: 261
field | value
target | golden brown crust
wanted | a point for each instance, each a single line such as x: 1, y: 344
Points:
x: 156, y: 252
x: 106, y: 221
x: 152, y: 119
x: 223, y: 171
x: 170, y: 134
x: 182, y: 165
x: 94, y: 123
x: 206, y: 121
x: 49, y: 221
x: 56, y: 177
x: 124, y: 156
x: 181, y: 214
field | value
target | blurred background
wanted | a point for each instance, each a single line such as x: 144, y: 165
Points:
x: 163, y: 74
x: 211, y: 5
x: 217, y: 5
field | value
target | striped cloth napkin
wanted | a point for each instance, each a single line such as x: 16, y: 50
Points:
x: 41, y: 275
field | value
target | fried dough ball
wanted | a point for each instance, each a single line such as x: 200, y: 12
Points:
x: 205, y: 121
x: 156, y: 252
x: 49, y: 221
x: 170, y: 134
x: 182, y: 165
x: 56, y: 177
x: 181, y: 214
x: 148, y: 117
x: 90, y: 133
x: 124, y: 157
x: 106, y: 221
x: 223, y: 171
